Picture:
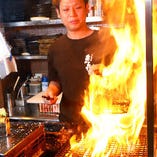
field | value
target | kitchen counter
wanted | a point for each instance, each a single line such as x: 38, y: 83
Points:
x: 34, y: 138
x: 25, y: 139
x: 29, y: 110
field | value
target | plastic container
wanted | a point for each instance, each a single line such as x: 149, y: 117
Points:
x: 34, y: 88
x: 44, y: 83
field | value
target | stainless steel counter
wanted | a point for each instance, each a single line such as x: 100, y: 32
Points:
x: 26, y: 139
x: 31, y: 112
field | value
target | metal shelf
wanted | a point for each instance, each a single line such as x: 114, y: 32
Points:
x: 94, y: 19
x: 47, y: 22
x: 31, y: 57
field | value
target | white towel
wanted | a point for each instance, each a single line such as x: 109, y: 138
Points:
x: 7, y: 61
x: 4, y: 48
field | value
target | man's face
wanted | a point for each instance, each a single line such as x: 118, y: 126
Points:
x: 73, y: 14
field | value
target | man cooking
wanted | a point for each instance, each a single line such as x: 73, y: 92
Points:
x: 74, y: 57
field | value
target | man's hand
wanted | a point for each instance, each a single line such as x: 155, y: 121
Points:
x: 49, y: 100
x: 50, y: 96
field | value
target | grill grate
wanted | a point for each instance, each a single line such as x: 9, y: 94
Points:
x: 112, y: 150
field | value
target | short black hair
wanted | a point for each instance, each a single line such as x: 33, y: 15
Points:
x: 56, y: 3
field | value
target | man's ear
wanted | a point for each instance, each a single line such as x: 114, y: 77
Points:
x: 57, y: 11
x: 87, y: 8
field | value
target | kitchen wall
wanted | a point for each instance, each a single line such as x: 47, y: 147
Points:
x: 6, y: 85
x: 1, y: 95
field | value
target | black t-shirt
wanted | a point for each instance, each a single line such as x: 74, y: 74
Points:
x: 66, y: 65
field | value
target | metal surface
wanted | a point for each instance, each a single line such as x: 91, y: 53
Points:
x: 149, y: 69
x: 31, y: 112
x: 25, y: 139
x: 47, y: 22
x: 10, y: 103
x: 32, y: 57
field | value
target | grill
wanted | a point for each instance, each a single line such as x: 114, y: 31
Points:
x: 139, y: 149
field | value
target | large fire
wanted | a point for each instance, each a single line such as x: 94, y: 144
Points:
x: 115, y: 102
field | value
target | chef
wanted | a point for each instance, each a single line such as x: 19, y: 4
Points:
x: 74, y: 57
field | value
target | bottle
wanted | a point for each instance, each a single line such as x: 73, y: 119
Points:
x: 44, y: 82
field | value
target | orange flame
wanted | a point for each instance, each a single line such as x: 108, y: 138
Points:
x: 115, y: 102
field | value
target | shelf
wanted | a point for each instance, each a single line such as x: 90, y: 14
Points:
x: 47, y: 22
x: 32, y: 23
x: 31, y: 57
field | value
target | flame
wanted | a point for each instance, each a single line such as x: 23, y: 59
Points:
x: 115, y: 102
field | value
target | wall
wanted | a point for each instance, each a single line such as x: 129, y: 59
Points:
x: 6, y: 85
x: 1, y: 95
